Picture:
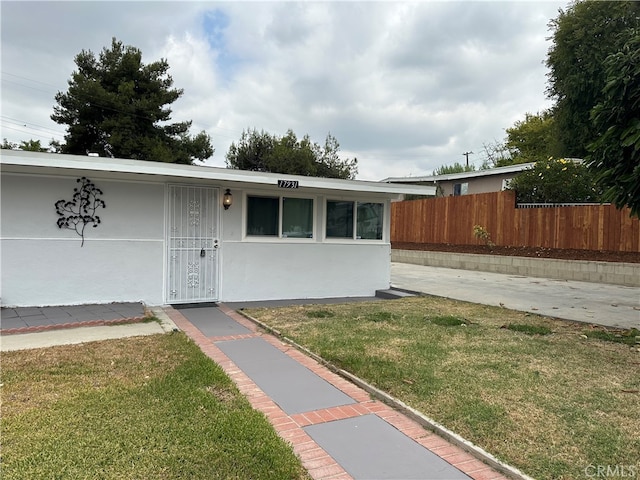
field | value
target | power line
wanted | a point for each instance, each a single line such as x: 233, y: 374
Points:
x: 31, y: 125
x: 30, y: 133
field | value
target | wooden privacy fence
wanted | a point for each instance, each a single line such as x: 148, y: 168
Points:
x: 451, y: 220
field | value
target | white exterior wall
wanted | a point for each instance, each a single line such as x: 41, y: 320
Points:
x: 269, y: 271
x: 121, y: 260
x: 124, y: 258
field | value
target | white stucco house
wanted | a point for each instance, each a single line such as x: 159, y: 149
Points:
x: 164, y: 236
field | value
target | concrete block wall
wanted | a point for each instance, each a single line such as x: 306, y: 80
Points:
x: 627, y: 274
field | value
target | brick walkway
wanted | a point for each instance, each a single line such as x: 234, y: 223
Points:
x: 322, y: 466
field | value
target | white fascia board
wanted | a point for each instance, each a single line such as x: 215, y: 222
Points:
x: 172, y: 171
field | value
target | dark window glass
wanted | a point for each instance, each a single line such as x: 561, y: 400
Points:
x: 339, y: 219
x: 369, y: 221
x: 262, y: 215
x: 297, y: 217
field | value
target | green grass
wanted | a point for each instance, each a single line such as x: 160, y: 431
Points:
x: 319, y: 314
x: 543, y: 398
x: 147, y: 407
x: 529, y: 329
x: 628, y: 337
x: 448, y: 321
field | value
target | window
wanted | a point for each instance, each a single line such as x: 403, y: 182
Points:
x: 342, y: 216
x: 460, y: 188
x: 280, y: 217
x: 370, y: 221
x: 297, y: 217
x: 262, y: 215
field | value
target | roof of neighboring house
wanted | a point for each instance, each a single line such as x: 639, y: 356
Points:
x: 461, y: 176
x: 57, y: 164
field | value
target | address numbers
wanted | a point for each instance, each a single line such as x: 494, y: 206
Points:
x: 288, y: 183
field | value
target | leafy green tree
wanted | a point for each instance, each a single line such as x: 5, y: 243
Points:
x: 32, y: 146
x: 527, y: 140
x: 27, y: 145
x: 531, y: 139
x: 118, y: 106
x: 262, y: 152
x: 455, y: 168
x: 556, y: 181
x: 583, y: 37
x: 615, y: 155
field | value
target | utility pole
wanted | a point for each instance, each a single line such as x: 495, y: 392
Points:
x: 466, y: 154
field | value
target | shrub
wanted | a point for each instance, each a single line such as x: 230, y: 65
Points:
x: 556, y: 181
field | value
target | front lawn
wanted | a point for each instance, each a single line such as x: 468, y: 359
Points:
x: 147, y: 407
x: 543, y: 395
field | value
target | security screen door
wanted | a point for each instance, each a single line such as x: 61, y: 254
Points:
x: 192, y: 245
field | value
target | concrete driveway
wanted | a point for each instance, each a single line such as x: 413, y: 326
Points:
x: 597, y: 303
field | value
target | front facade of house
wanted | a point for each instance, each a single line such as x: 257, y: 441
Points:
x: 164, y: 236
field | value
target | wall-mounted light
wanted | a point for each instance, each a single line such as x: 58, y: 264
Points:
x: 227, y: 199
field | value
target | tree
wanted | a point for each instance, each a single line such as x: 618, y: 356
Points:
x: 528, y: 140
x: 455, y: 168
x: 262, y: 152
x: 583, y: 37
x: 7, y: 145
x: 32, y: 146
x: 615, y: 155
x: 496, y: 154
x: 556, y: 181
x: 531, y: 139
x: 118, y: 106
x: 27, y: 145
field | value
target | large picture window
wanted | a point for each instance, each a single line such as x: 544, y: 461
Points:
x: 285, y: 217
x: 359, y: 220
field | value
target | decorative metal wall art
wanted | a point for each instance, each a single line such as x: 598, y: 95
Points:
x: 80, y: 211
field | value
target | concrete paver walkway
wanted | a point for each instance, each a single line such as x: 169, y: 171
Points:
x: 335, y: 427
x: 597, y: 303
x: 31, y: 319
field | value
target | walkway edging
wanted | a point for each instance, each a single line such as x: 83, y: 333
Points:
x: 414, y: 414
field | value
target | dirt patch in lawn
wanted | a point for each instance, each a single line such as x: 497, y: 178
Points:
x: 538, y: 252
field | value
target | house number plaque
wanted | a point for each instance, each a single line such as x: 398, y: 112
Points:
x: 287, y: 183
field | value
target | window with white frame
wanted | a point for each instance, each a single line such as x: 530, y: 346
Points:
x: 285, y: 217
x: 354, y: 220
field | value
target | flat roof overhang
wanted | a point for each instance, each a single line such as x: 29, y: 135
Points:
x: 14, y: 161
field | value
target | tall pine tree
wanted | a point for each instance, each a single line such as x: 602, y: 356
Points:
x: 119, y: 107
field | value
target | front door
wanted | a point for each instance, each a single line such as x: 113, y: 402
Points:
x: 192, y: 245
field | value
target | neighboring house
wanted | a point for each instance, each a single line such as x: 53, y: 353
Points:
x: 165, y: 237
x: 466, y: 183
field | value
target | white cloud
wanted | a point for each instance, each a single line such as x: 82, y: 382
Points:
x: 405, y: 87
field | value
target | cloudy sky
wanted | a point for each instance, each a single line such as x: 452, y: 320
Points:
x: 404, y: 87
